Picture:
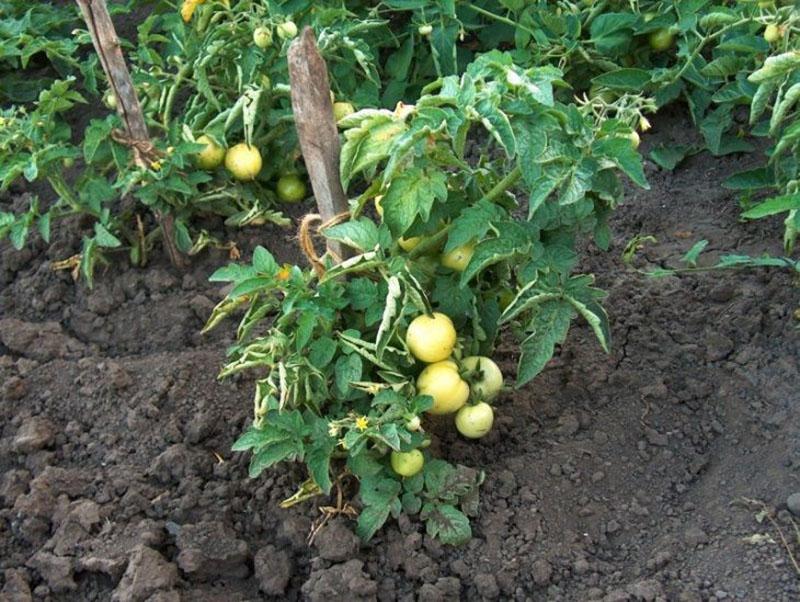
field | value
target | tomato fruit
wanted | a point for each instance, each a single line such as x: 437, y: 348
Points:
x: 431, y: 338
x: 68, y: 162
x: 635, y: 139
x: 287, y: 30
x: 484, y: 377
x: 243, y: 161
x: 407, y: 464
x: 414, y: 423
x: 505, y: 298
x: 291, y: 188
x: 110, y: 100
x: 262, y: 37
x: 772, y: 33
x: 342, y: 110
x: 425, y: 30
x: 212, y: 155
x: 409, y: 244
x: 443, y: 382
x: 458, y: 258
x: 475, y: 421
x: 661, y: 39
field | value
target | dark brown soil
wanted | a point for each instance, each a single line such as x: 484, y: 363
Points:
x: 620, y: 477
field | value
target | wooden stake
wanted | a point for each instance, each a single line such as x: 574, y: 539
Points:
x: 109, y: 51
x: 316, y: 128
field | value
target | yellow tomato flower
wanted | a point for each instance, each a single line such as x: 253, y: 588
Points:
x: 362, y: 422
x: 155, y: 165
x: 187, y: 9
x: 284, y: 273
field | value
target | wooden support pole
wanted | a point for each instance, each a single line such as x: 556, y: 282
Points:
x: 316, y: 128
x: 109, y: 51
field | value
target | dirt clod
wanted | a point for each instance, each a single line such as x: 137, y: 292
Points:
x: 273, y: 570
x: 211, y: 549
x: 147, y: 572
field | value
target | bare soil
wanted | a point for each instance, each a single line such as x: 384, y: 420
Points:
x: 629, y: 476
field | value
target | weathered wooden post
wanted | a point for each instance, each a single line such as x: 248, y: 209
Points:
x: 106, y: 43
x: 316, y: 129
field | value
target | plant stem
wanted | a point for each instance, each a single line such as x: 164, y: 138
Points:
x: 507, y: 182
x: 499, y: 18
x: 173, y: 91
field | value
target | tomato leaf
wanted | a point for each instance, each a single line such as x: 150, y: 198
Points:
x: 271, y: 454
x: 547, y: 327
x: 412, y: 194
x: 446, y: 523
x: 473, y: 222
x: 778, y: 204
x: 620, y: 151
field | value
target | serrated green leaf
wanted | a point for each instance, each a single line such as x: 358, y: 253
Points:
x: 270, y: 455
x: 412, y: 194
x: 370, y: 520
x: 361, y: 235
x: 547, y: 327
x: 620, y: 151
x: 447, y: 524
x: 693, y: 253
x: 489, y: 252
x: 774, y: 205
x: 473, y: 223
x: 104, y: 238
x: 627, y: 79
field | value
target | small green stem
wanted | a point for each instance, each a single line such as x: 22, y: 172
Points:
x: 173, y: 91
x: 507, y: 182
x: 499, y: 18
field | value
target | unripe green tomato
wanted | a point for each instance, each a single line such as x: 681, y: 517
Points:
x: 110, y: 100
x: 431, y: 338
x: 212, y: 155
x: 475, y: 421
x: 484, y: 377
x: 407, y: 464
x: 68, y: 162
x: 243, y: 161
x: 342, y: 110
x: 262, y: 37
x: 291, y: 188
x: 287, y: 30
x: 635, y: 140
x: 772, y: 33
x: 425, y: 30
x: 458, y: 258
x: 661, y: 39
x: 414, y: 423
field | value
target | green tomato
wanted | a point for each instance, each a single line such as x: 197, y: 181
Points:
x: 262, y: 37
x: 431, y: 338
x: 444, y: 384
x: 244, y: 162
x: 212, y: 155
x: 287, y: 30
x: 772, y: 33
x: 475, y: 421
x: 407, y: 464
x: 68, y: 162
x: 342, y: 110
x: 414, y: 423
x: 484, y: 377
x: 661, y: 39
x: 635, y: 139
x: 425, y: 30
x: 458, y: 258
x: 291, y: 188
x: 110, y: 100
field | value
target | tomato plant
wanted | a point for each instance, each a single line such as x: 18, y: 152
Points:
x: 357, y: 357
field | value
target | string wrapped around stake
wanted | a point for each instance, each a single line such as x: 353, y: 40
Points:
x: 144, y: 151
x: 306, y: 241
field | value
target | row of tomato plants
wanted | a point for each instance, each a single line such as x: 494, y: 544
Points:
x: 467, y: 203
